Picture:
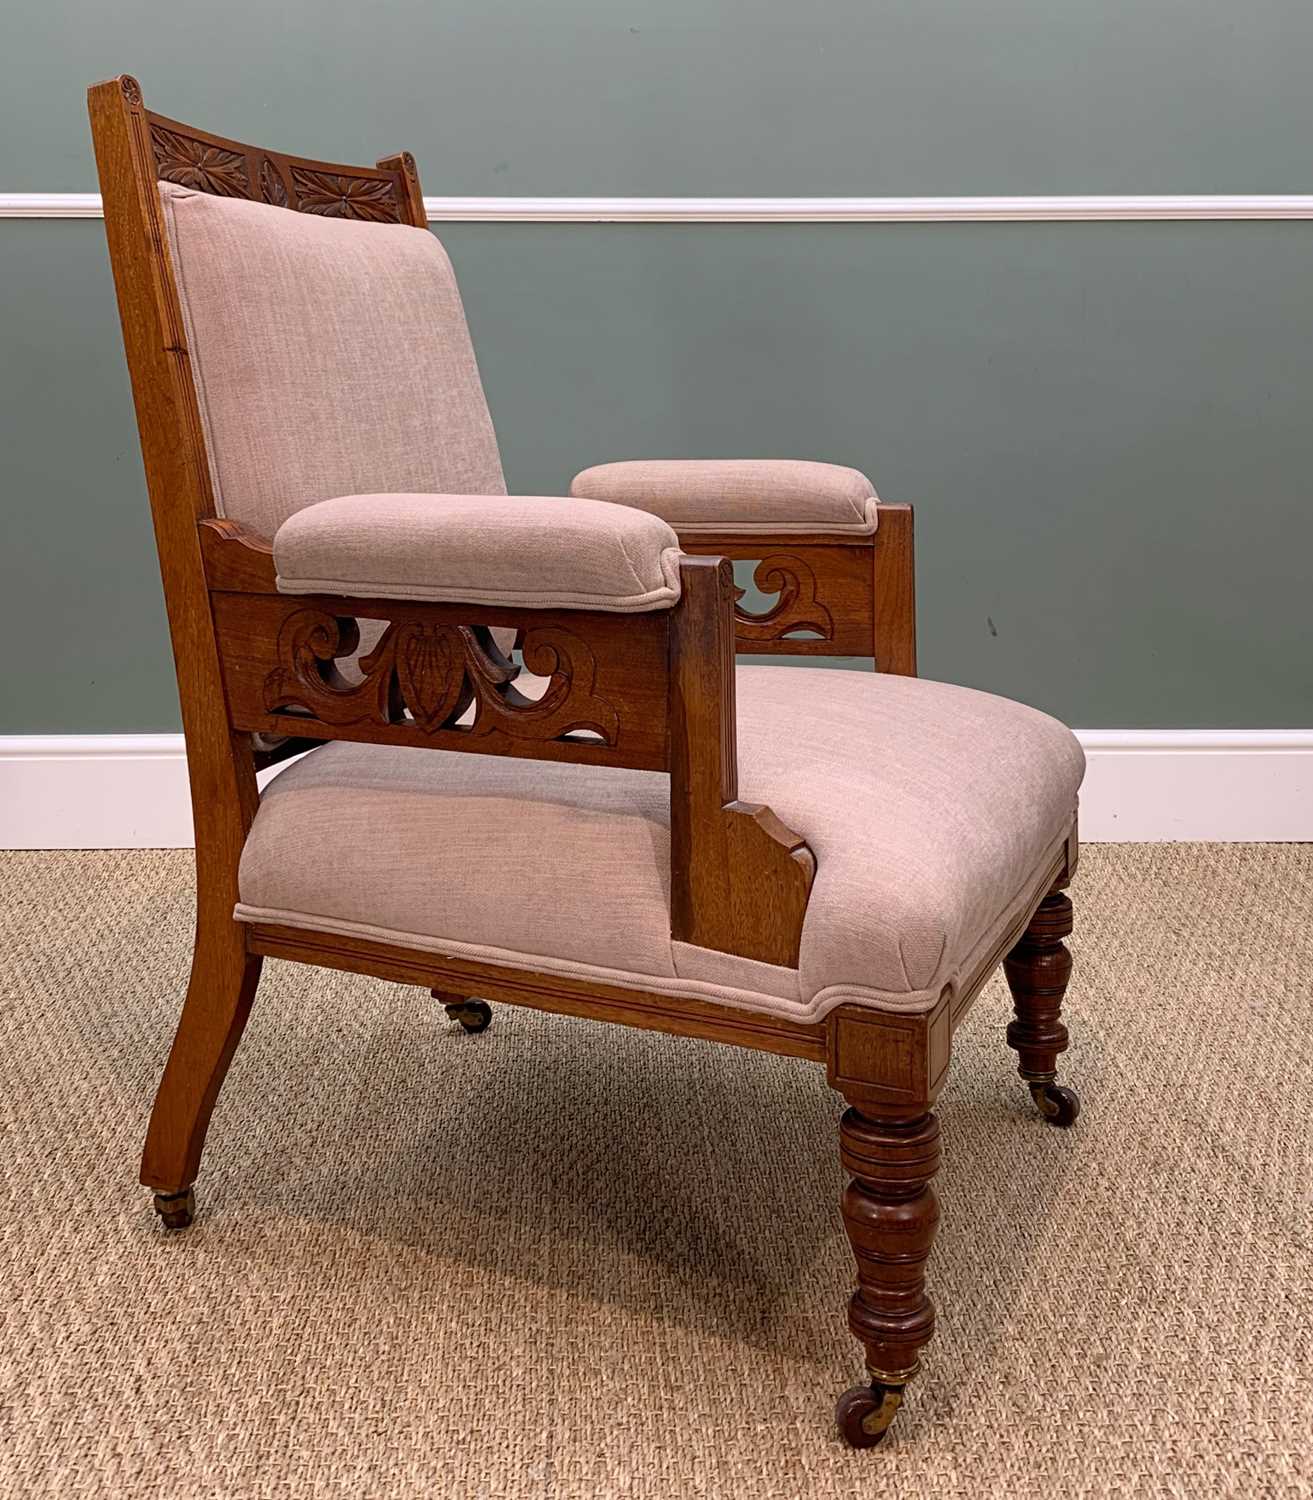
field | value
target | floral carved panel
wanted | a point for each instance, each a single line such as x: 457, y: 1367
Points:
x: 194, y: 163
x: 209, y: 164
x: 337, y: 196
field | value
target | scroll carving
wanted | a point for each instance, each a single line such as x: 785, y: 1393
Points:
x: 197, y: 164
x: 430, y: 673
x: 337, y: 196
x: 797, y: 607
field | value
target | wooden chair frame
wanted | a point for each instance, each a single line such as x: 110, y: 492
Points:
x: 654, y: 691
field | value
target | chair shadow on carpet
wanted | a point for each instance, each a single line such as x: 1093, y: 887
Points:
x: 671, y: 1178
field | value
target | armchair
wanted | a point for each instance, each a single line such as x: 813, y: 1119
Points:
x: 825, y: 865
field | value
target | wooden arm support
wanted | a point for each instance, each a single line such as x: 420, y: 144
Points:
x: 652, y: 692
x: 739, y: 879
x: 852, y: 596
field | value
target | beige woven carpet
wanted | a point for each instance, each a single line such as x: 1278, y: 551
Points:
x: 563, y: 1259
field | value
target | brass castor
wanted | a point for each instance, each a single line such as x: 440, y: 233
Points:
x: 1058, y: 1105
x: 176, y: 1210
x: 865, y: 1412
x: 473, y: 1015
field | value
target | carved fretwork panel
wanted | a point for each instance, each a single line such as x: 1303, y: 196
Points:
x: 797, y: 609
x: 824, y: 597
x: 436, y: 677
x: 211, y: 164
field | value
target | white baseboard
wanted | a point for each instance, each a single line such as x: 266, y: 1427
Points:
x: 129, y: 791
x: 1222, y: 785
x: 94, y: 791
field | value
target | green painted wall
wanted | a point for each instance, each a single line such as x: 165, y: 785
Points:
x: 700, y: 96
x: 1105, y: 427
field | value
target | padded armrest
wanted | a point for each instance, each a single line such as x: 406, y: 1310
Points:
x: 731, y: 495
x: 531, y: 551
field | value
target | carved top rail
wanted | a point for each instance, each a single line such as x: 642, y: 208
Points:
x: 210, y: 163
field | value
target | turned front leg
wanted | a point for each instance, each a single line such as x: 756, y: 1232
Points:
x: 890, y: 1212
x: 1038, y: 970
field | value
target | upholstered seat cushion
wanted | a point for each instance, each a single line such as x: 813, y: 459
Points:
x: 530, y: 550
x: 729, y: 495
x: 935, y: 813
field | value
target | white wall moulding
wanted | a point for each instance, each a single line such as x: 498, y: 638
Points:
x: 783, y: 210
x: 50, y: 206
x: 1143, y: 786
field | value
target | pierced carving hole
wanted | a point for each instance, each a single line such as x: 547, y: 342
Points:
x: 750, y: 599
x: 776, y: 600
x: 437, y: 676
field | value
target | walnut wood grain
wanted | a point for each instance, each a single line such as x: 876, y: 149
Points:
x: 401, y: 165
x: 799, y: 606
x: 220, y: 763
x: 1038, y: 970
x: 739, y: 878
x: 895, y: 592
x: 608, y: 677
x: 236, y: 559
x: 649, y: 1010
x: 890, y: 1213
x: 210, y: 163
x: 884, y: 1060
x: 856, y: 596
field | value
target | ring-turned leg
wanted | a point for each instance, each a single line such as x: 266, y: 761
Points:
x: 473, y: 1015
x: 1037, y: 970
x: 219, y: 995
x: 890, y: 1212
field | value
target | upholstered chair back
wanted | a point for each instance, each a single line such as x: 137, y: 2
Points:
x: 330, y: 357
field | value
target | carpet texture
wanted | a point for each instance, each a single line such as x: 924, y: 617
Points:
x: 565, y: 1259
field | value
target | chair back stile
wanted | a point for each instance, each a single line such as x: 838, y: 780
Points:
x: 220, y: 761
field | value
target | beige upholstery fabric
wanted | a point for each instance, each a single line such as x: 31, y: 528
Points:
x: 933, y: 812
x: 738, y: 495
x: 331, y: 358
x: 531, y: 550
